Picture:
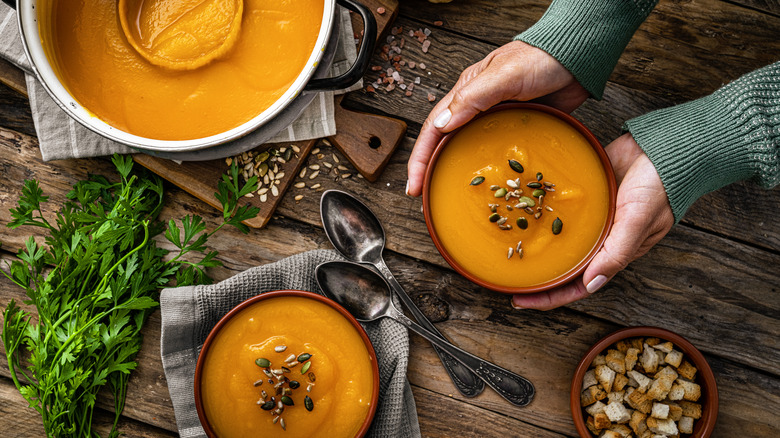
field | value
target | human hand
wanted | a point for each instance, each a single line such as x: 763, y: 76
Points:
x: 514, y: 71
x: 642, y: 217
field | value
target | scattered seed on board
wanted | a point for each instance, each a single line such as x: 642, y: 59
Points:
x: 303, y: 173
x: 315, y: 151
x: 346, y: 175
x: 300, y: 185
x: 263, y: 197
x: 274, y: 190
x: 314, y: 167
x: 316, y: 186
x: 298, y: 198
x: 328, y: 165
x: 335, y: 158
x: 314, y: 174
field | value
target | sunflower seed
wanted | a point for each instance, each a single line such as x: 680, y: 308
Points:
x: 315, y: 151
x: 314, y: 167
x: 263, y: 198
x: 280, y: 175
x: 314, y: 174
x: 520, y: 252
x: 298, y: 198
x: 494, y: 187
x: 548, y: 184
x: 274, y: 190
x: 258, y: 382
x: 328, y: 165
x: 505, y: 227
x: 501, y: 221
x: 548, y: 208
x: 316, y: 186
x: 340, y: 167
x: 511, y: 183
x: 529, y: 210
x: 280, y: 348
x: 300, y: 185
x: 282, y: 423
x: 509, y: 253
x: 335, y: 158
x: 346, y: 175
x: 276, y: 419
x: 518, y: 247
x: 541, y: 200
x: 509, y: 208
x: 521, y: 205
x: 538, y: 214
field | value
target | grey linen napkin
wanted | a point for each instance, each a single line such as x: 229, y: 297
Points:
x: 61, y: 137
x: 189, y: 313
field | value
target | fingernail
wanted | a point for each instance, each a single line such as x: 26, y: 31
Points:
x: 442, y: 119
x: 515, y: 306
x: 596, y: 283
x: 407, y: 188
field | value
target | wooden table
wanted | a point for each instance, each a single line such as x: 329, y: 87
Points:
x: 714, y: 279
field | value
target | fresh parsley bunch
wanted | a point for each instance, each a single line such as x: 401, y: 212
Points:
x: 94, y: 283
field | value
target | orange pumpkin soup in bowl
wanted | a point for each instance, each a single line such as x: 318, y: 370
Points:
x: 520, y: 199
x: 287, y: 363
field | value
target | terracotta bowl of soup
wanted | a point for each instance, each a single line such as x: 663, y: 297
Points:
x: 698, y: 400
x: 520, y: 199
x: 287, y: 363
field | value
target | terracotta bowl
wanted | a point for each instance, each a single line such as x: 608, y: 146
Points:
x: 703, y: 427
x: 269, y: 296
x: 576, y: 270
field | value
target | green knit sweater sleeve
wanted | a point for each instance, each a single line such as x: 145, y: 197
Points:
x: 728, y: 136
x: 588, y: 36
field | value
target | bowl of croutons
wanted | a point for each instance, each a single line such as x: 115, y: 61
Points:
x: 644, y: 382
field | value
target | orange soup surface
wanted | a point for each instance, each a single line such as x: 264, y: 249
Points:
x: 541, y: 143
x: 340, y: 363
x: 94, y: 60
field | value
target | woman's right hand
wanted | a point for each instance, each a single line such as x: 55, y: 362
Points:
x: 514, y: 71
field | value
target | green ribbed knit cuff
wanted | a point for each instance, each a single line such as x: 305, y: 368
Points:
x: 705, y: 144
x: 588, y: 36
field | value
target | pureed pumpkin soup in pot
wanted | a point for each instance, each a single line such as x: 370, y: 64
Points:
x: 195, y: 68
x: 290, y: 364
x: 519, y: 199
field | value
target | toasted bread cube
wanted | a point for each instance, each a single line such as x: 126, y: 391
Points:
x: 591, y: 425
x: 649, y: 360
x: 687, y: 370
x: 674, y: 358
x: 602, y: 421
x: 616, y: 360
x: 640, y: 402
x: 675, y: 411
x: 647, y: 434
x: 622, y: 346
x: 637, y: 422
x: 643, y: 381
x: 664, y: 346
x: 663, y: 427
x: 610, y: 434
x: 692, y: 390
x: 637, y: 343
x: 620, y: 382
x: 605, y: 376
x: 652, y: 341
x: 617, y: 413
x: 621, y: 429
x: 592, y: 395
x: 686, y: 425
x: 596, y: 408
x: 677, y: 392
x: 660, y: 411
x: 632, y: 354
x: 616, y: 396
x: 599, y: 360
x: 661, y: 356
x: 662, y: 384
x: 589, y: 379
x: 691, y: 409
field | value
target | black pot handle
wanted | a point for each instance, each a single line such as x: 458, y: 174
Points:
x: 11, y: 3
x: 360, y: 66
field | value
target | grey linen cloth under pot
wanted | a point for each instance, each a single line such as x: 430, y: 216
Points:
x: 61, y: 137
x: 189, y: 313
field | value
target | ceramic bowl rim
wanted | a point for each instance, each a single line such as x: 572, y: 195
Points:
x: 276, y: 294
x: 575, y: 271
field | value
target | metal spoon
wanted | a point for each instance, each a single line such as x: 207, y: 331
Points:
x: 366, y: 296
x: 356, y: 233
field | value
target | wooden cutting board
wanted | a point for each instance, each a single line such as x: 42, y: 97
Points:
x: 366, y: 140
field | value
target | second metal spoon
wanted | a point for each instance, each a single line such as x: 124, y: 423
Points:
x: 356, y: 233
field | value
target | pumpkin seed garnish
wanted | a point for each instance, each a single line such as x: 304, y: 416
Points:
x: 294, y: 384
x: 494, y: 187
x: 528, y: 201
x: 309, y: 403
x: 303, y: 357
x: 494, y: 217
x: 305, y: 367
x: 557, y: 226
x: 477, y: 180
x: 280, y: 348
x: 534, y: 185
x: 263, y: 362
x: 516, y: 166
x: 267, y: 406
x: 537, y: 193
x: 287, y: 400
x: 522, y: 223
x: 539, y: 176
x: 501, y: 192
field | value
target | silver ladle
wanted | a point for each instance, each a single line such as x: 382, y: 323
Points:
x: 366, y: 296
x: 356, y: 233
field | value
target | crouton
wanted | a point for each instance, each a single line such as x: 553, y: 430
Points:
x: 620, y: 382
x: 647, y: 434
x: 622, y: 346
x: 596, y: 408
x: 632, y: 354
x: 692, y: 390
x: 687, y: 370
x: 660, y: 411
x: 652, y: 341
x: 649, y: 360
x: 662, y: 427
x: 661, y: 356
x: 628, y: 394
x: 601, y: 421
x: 599, y: 360
x: 674, y: 358
x: 605, y: 376
x: 592, y: 395
x: 637, y: 343
x: 617, y: 413
x: 589, y: 423
x: 666, y: 347
x: 610, y: 434
x: 589, y: 379
x: 686, y: 425
x: 637, y: 422
x: 617, y: 361
x: 640, y: 402
x: 675, y: 411
x: 662, y: 383
x: 691, y: 409
x: 621, y: 429
x: 643, y: 381
x: 677, y: 392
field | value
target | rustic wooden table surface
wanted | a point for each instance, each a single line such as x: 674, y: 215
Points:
x: 714, y: 279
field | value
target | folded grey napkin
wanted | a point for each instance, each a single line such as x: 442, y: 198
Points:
x: 61, y: 137
x: 189, y: 313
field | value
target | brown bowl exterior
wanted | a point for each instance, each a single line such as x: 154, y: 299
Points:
x: 576, y: 270
x: 703, y: 427
x: 270, y: 295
